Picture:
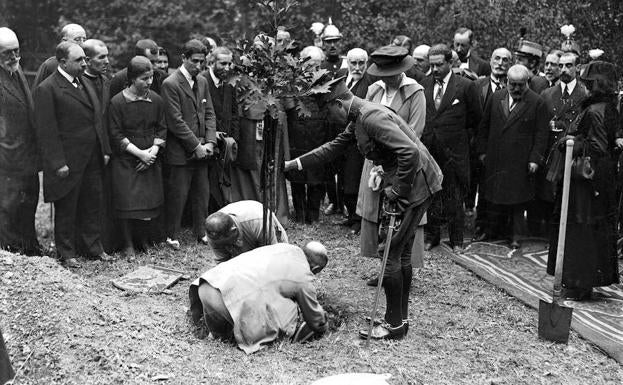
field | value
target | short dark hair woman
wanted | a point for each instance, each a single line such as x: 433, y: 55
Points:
x: 590, y: 256
x: 137, y: 132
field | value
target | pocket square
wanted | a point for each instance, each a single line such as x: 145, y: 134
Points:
x: 456, y: 101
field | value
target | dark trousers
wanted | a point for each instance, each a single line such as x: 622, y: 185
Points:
x: 507, y: 220
x: 77, y: 218
x: 6, y: 370
x: 187, y: 182
x: 398, y: 271
x: 19, y: 195
x: 306, y: 199
x: 217, y: 318
x: 539, y: 214
x: 447, y: 207
x: 335, y: 183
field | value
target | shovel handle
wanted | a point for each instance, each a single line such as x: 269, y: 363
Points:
x: 562, y: 229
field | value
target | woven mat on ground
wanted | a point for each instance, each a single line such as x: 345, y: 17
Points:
x: 522, y: 274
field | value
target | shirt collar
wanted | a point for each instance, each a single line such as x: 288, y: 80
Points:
x: 186, y: 74
x: 130, y: 97
x: 570, y: 86
x: 405, y: 80
x: 66, y: 75
x: 217, y: 81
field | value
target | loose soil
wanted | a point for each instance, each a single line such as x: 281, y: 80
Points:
x: 73, y: 327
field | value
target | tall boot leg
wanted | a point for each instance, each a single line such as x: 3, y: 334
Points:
x: 392, y: 284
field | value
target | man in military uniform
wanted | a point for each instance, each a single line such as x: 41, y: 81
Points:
x: 529, y: 55
x: 411, y: 178
x: 564, y: 102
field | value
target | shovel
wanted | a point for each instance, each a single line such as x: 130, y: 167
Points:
x: 555, y: 319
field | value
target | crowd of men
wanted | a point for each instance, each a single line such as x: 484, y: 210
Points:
x: 480, y: 130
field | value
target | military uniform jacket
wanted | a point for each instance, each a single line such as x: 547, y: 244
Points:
x: 510, y: 141
x: 386, y: 139
x: 69, y: 125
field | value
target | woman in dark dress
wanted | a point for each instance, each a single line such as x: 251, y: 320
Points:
x: 137, y: 131
x: 590, y: 257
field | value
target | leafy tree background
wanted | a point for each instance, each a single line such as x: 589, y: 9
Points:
x: 364, y: 23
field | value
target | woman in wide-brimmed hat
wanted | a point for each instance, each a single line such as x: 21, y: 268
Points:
x: 406, y: 97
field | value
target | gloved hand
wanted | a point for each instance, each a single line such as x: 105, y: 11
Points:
x: 394, y: 201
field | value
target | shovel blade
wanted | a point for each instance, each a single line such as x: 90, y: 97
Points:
x: 554, y: 322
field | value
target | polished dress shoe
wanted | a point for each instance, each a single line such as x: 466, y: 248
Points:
x: 203, y: 240
x: 385, y: 331
x: 173, y: 243
x: 71, y: 263
x: 331, y: 209
x: 458, y: 249
x: 480, y: 236
x: 379, y: 321
x: 105, y: 257
x: 355, y: 228
x: 515, y: 245
x: 428, y: 245
x: 373, y: 281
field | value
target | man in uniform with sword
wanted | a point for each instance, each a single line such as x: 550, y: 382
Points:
x: 411, y: 178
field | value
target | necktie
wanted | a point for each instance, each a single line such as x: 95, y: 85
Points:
x: 439, y: 94
x: 565, y: 92
x: 496, y: 85
x: 513, y: 104
x: 77, y: 84
x: 194, y: 84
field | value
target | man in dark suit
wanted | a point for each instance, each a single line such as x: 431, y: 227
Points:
x: 511, y: 142
x: 411, y: 178
x: 224, y: 185
x: 463, y: 40
x: 564, y: 102
x: 72, y: 33
x: 75, y: 149
x: 501, y: 60
x: 452, y: 114
x: 19, y: 163
x: 149, y: 49
x: 191, y: 139
x: 358, y: 81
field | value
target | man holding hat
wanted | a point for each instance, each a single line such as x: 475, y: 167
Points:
x: 411, y: 177
x: 237, y: 228
x: 529, y: 55
x: 453, y: 113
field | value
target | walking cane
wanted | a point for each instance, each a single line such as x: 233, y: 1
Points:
x: 388, y: 242
x: 555, y: 319
x: 52, y: 244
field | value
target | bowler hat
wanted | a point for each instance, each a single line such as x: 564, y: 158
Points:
x: 599, y: 70
x: 529, y: 48
x: 389, y: 61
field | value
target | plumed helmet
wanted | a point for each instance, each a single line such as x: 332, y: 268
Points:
x: 331, y: 32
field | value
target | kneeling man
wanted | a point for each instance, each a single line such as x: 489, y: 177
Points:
x: 237, y: 228
x: 256, y: 296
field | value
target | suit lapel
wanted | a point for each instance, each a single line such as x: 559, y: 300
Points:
x: 504, y: 105
x: 186, y: 87
x: 517, y: 112
x: 448, y: 96
x: 92, y: 94
x: 72, y: 91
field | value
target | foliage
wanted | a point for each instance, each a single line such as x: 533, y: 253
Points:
x: 364, y: 23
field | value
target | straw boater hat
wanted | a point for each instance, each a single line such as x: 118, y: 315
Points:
x: 390, y: 61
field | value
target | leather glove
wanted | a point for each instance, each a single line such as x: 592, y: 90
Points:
x: 394, y: 201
